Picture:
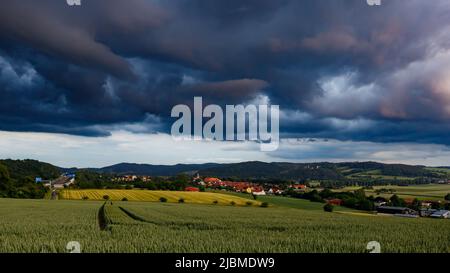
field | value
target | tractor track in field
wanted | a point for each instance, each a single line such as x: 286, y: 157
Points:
x: 135, y: 216
x: 132, y: 215
x: 103, y: 221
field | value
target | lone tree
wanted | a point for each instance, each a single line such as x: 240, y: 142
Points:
x: 328, y: 208
x: 447, y: 197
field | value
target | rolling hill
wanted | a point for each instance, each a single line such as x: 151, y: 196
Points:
x: 154, y: 170
x: 284, y: 171
x: 246, y: 170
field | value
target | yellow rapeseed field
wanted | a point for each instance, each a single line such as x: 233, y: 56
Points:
x: 154, y: 196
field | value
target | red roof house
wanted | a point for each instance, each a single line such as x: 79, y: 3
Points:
x: 194, y: 189
x: 211, y: 180
x: 335, y: 202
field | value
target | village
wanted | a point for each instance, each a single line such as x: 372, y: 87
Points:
x: 427, y: 208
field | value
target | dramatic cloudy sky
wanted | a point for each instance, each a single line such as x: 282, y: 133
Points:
x: 94, y: 85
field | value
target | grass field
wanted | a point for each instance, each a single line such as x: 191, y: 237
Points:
x: 421, y: 192
x: 296, y: 203
x: 154, y: 196
x: 377, y: 174
x: 445, y: 171
x: 47, y: 226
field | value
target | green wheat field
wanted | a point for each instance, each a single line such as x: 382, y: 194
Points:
x: 42, y: 226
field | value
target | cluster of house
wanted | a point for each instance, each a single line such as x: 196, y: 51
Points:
x: 247, y: 187
x: 244, y: 187
x: 132, y: 178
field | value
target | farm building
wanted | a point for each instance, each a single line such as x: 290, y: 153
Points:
x: 298, y: 187
x: 379, y: 204
x: 445, y: 214
x: 334, y: 202
x: 259, y: 192
x: 40, y: 180
x: 430, y: 204
x: 275, y: 190
x: 427, y: 212
x: 407, y: 215
x: 395, y: 210
x: 426, y: 204
x: 192, y: 189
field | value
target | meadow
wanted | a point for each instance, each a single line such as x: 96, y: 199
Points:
x: 154, y: 196
x: 288, y: 202
x: 376, y: 174
x: 48, y: 225
x: 421, y: 192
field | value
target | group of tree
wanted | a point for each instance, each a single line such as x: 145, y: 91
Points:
x: 16, y: 186
x: 356, y: 199
x: 30, y: 168
x: 86, y: 179
x: 352, y: 199
x: 367, y: 181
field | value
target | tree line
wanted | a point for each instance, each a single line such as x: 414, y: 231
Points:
x: 19, y: 186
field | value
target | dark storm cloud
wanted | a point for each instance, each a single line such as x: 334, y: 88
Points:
x: 338, y: 69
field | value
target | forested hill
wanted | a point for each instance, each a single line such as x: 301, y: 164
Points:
x: 318, y: 171
x: 282, y: 171
x: 19, y: 169
x: 154, y: 170
x: 30, y: 168
x: 17, y: 178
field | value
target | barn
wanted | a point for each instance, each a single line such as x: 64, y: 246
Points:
x: 395, y: 210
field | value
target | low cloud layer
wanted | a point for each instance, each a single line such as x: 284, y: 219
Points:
x: 123, y: 146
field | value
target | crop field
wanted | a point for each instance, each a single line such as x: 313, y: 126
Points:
x: 377, y: 174
x: 154, y: 196
x: 421, y: 192
x: 288, y: 202
x: 47, y: 226
x: 445, y: 171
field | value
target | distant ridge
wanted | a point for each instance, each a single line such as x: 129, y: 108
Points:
x: 155, y: 170
x: 274, y: 170
x: 244, y: 170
